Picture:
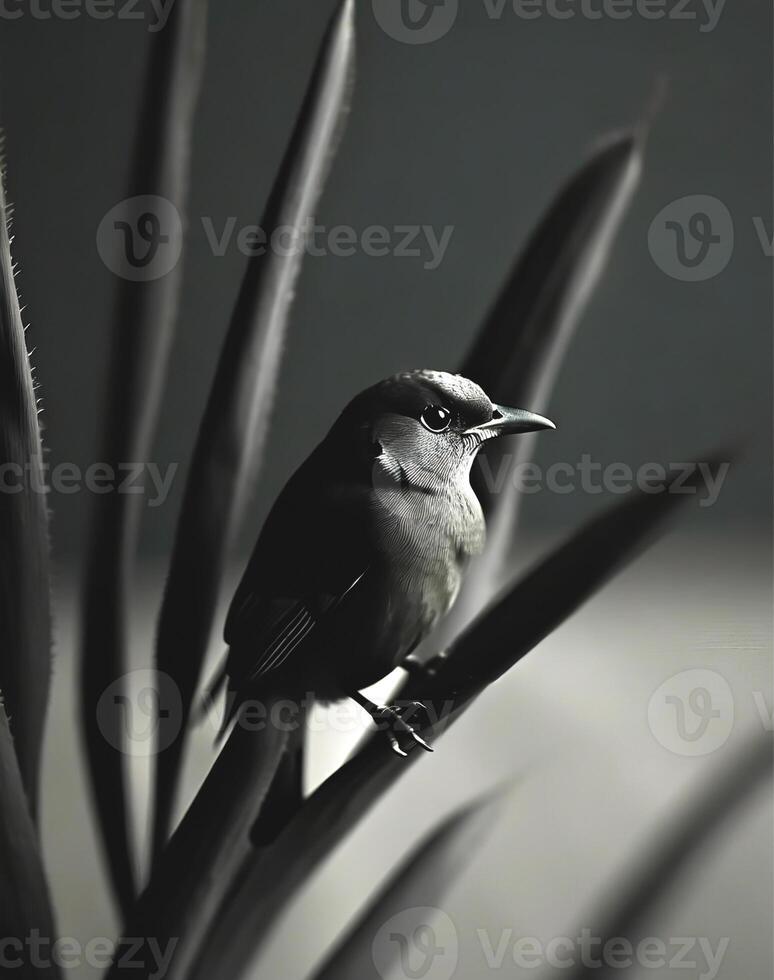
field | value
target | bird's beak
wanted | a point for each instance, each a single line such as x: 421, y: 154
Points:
x: 509, y: 421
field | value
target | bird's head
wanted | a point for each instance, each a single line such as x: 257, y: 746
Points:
x: 425, y: 427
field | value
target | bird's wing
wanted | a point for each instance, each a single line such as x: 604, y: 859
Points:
x: 311, y: 554
x: 263, y: 632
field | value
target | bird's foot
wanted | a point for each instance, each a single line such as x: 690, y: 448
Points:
x: 390, y: 719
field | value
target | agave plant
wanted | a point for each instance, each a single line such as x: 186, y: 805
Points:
x: 208, y: 886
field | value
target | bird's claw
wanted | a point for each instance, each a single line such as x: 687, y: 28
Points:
x: 395, y: 726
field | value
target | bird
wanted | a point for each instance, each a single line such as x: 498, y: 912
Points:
x: 366, y: 547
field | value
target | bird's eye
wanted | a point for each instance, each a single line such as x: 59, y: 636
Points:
x: 435, y: 418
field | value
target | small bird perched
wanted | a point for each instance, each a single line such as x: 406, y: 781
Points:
x: 365, y: 549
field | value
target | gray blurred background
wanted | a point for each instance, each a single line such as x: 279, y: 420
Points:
x: 475, y: 131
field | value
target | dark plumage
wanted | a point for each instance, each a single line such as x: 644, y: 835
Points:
x: 365, y: 548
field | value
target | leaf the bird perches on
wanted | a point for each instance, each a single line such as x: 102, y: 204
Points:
x: 228, y: 450
x: 25, y: 613
x: 421, y: 882
x: 25, y: 909
x: 527, y: 613
x: 145, y: 313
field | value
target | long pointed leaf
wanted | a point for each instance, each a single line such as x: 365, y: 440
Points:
x: 25, y: 909
x: 144, y: 320
x: 25, y: 613
x: 536, y: 606
x: 519, y: 350
x: 228, y: 450
x: 192, y: 873
x: 421, y: 882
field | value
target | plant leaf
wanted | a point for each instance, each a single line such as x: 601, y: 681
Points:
x: 519, y: 350
x: 532, y: 609
x: 675, y: 846
x: 24, y: 901
x: 25, y: 608
x: 232, y: 434
x: 144, y: 320
x: 192, y: 872
x: 420, y: 882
